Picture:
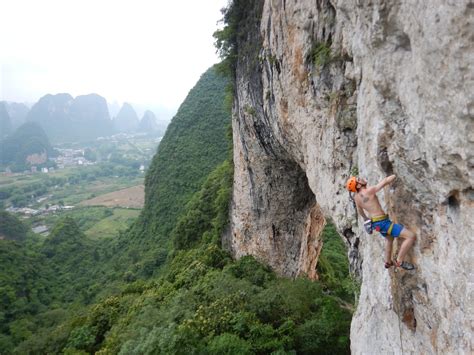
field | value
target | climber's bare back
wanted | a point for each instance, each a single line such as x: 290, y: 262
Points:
x: 367, y: 199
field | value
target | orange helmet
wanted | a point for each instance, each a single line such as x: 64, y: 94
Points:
x: 351, y: 184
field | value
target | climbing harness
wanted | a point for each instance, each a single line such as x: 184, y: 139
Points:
x: 379, y: 219
x: 368, y: 226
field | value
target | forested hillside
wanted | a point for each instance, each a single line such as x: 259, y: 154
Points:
x: 74, y: 270
x: 194, y: 144
x: 42, y: 283
x: 206, y: 303
x: 166, y: 285
x: 11, y: 227
x: 27, y: 140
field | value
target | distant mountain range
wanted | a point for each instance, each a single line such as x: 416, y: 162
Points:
x: 66, y: 119
x: 17, y: 112
x: 5, y: 121
x: 148, y: 123
x: 12, y: 116
x: 127, y: 119
x: 86, y: 117
x: 162, y: 115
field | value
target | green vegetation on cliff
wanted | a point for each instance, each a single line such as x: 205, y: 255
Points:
x: 194, y: 144
x: 206, y: 213
x: 239, y: 38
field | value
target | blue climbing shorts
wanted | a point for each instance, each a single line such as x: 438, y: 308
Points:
x: 383, y: 227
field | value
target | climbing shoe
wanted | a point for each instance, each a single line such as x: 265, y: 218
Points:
x: 405, y: 265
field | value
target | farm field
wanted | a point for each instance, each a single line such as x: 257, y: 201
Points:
x: 103, y: 196
x: 102, y: 206
x: 68, y: 187
x: 132, y: 197
x: 95, y: 221
x: 110, y: 226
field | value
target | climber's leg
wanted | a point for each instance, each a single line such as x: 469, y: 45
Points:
x: 408, y: 239
x: 388, y: 251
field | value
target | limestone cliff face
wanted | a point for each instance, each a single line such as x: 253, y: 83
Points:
x: 381, y: 86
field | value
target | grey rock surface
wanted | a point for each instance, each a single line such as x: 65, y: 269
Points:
x: 384, y: 87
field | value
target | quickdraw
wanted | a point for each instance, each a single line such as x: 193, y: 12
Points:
x: 369, y: 224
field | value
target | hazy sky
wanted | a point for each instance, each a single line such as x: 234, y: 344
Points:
x: 141, y: 51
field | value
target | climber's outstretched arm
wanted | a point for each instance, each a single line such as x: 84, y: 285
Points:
x: 384, y: 182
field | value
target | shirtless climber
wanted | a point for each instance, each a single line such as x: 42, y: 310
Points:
x: 366, y: 199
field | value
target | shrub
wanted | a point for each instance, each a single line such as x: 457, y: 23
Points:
x: 321, y: 54
x: 229, y: 344
x: 250, y: 269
